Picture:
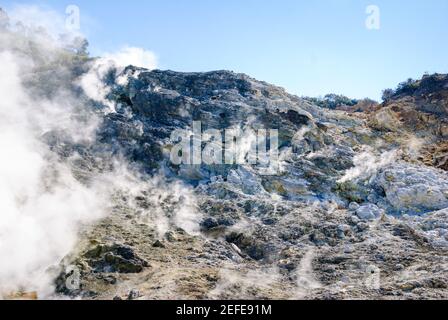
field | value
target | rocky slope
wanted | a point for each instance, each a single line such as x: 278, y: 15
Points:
x: 358, y: 207
x: 358, y: 210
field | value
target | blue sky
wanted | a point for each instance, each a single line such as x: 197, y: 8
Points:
x: 308, y: 47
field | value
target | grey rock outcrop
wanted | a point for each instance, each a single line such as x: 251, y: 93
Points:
x: 415, y: 189
x: 307, y: 216
x: 369, y: 212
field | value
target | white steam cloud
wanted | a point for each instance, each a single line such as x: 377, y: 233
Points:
x: 44, y: 26
x: 166, y: 204
x: 43, y: 205
x: 133, y: 56
x: 92, y: 82
x: 306, y: 280
x: 367, y: 163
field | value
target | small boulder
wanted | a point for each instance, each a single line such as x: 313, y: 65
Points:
x: 369, y: 212
x: 134, y: 294
x: 158, y: 244
x: 414, y: 190
x: 115, y: 258
x: 353, y: 206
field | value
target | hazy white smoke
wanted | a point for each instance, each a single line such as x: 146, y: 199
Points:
x: 133, y: 56
x: 306, y: 280
x: 156, y: 201
x: 244, y: 284
x: 413, y: 146
x: 32, y: 17
x: 92, y: 82
x: 43, y: 26
x: 93, y: 85
x: 41, y: 204
x: 367, y: 163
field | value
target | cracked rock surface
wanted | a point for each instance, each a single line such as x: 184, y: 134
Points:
x: 355, y: 212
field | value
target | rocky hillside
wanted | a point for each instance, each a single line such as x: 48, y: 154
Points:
x: 420, y: 108
x: 358, y: 209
